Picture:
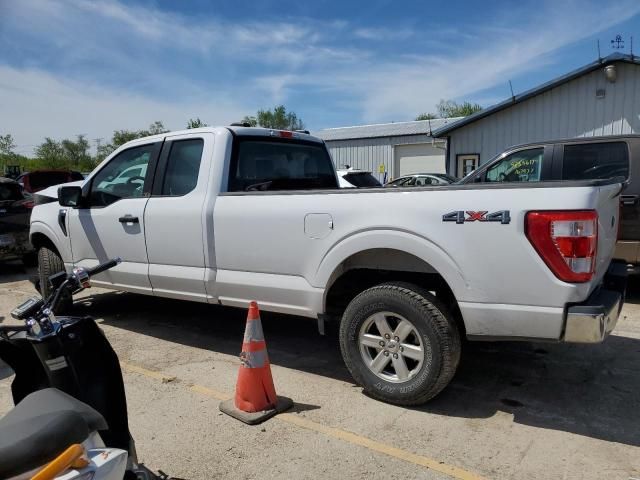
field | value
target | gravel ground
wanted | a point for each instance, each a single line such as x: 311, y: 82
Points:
x: 514, y: 410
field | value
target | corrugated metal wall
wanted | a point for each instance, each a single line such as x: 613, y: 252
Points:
x: 567, y: 111
x: 369, y: 153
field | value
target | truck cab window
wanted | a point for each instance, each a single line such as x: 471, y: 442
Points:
x: 183, y: 166
x: 280, y: 165
x: 595, y: 160
x: 122, y: 177
x: 522, y: 166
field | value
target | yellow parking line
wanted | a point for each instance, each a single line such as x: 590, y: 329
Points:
x: 210, y: 392
x: 337, y: 433
x: 143, y: 371
x: 398, y: 453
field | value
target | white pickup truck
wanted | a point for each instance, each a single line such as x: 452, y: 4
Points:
x: 233, y: 214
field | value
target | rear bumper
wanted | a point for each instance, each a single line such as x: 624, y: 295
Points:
x: 593, y: 320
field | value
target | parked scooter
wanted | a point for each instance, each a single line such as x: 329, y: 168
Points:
x: 70, y: 419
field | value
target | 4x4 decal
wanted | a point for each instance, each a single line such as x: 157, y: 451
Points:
x: 482, y: 216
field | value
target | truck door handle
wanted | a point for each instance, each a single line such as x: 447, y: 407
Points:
x: 628, y: 199
x: 128, y: 219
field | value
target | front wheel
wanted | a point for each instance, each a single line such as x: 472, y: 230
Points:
x: 399, y: 343
x: 49, y: 263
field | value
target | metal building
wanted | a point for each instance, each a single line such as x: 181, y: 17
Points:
x: 388, y: 150
x: 602, y: 98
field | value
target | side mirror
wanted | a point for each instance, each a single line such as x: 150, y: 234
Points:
x: 70, y: 196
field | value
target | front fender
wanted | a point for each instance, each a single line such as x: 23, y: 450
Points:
x: 60, y: 242
x: 403, y: 241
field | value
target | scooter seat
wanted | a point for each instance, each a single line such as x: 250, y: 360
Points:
x: 42, y: 426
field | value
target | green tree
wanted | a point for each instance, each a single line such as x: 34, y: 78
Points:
x: 252, y: 121
x: 449, y: 108
x: 50, y: 154
x: 426, y: 116
x: 7, y: 156
x: 76, y: 153
x: 7, y: 145
x: 120, y: 137
x: 277, y: 118
x: 155, y: 128
x: 196, y: 123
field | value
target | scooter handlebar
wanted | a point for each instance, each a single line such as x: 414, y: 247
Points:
x: 103, y: 266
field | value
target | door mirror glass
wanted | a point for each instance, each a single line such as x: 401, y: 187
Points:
x: 70, y: 196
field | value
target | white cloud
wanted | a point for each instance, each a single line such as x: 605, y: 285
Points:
x: 120, y: 66
x: 37, y: 105
x: 383, y: 34
x: 402, y: 87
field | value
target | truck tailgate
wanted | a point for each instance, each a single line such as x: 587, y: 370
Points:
x: 608, y: 206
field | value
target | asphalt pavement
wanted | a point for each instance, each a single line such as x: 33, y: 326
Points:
x: 514, y: 410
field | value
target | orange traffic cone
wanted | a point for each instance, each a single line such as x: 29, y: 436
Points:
x: 255, y: 400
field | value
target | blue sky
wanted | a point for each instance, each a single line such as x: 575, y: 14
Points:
x: 76, y: 66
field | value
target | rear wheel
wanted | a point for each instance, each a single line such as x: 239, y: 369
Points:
x: 399, y: 343
x: 49, y: 263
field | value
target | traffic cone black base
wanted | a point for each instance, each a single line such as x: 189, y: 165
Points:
x: 253, y: 418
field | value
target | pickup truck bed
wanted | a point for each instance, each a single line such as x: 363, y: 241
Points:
x: 256, y: 214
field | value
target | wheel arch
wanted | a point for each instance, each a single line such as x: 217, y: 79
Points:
x: 41, y: 235
x: 368, y: 259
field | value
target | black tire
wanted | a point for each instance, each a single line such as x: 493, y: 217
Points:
x: 433, y: 330
x: 49, y: 263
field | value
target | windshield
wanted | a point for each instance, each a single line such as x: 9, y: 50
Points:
x: 362, y: 179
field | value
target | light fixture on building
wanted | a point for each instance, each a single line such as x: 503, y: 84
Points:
x: 610, y: 73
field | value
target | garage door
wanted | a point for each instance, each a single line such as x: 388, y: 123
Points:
x: 418, y: 158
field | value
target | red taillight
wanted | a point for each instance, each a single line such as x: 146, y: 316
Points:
x: 285, y: 134
x: 29, y: 204
x: 566, y: 241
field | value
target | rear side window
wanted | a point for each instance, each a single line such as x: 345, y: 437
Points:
x: 595, y: 160
x: 280, y: 165
x: 522, y: 166
x: 183, y: 166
